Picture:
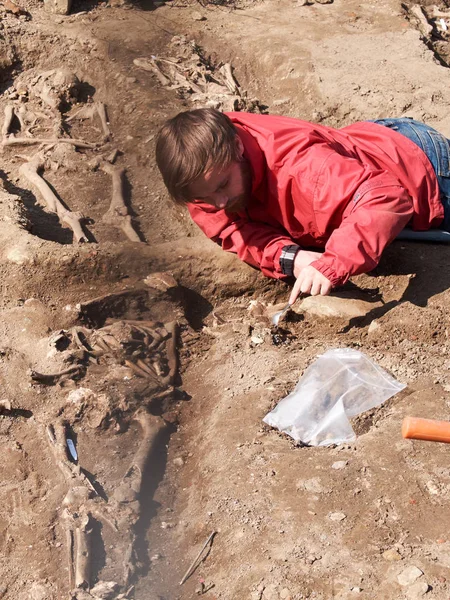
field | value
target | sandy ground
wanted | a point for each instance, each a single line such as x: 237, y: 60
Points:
x: 171, y: 454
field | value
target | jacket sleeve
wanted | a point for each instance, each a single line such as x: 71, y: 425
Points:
x: 378, y: 210
x: 257, y: 244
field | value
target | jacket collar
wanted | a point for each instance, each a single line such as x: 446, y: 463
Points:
x: 253, y: 153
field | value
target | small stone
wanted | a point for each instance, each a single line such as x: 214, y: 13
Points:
x: 256, y: 339
x: 178, y: 461
x: 197, y: 16
x: 373, y: 326
x: 417, y: 590
x: 409, y: 575
x: 155, y: 557
x: 356, y: 590
x: 285, y: 594
x: 337, y: 516
x: 433, y: 488
x: 391, y: 555
x: 339, y: 464
x: 165, y: 525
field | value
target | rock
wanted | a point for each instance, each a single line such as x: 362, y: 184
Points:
x: 373, y: 326
x: 178, y: 461
x: 409, y: 575
x: 197, y: 16
x: 337, y: 306
x: 58, y: 7
x: 417, y: 590
x: 106, y: 590
x: 391, y: 555
x: 337, y: 516
x: 339, y: 464
x: 285, y: 594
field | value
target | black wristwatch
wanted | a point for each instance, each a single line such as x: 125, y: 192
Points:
x: 287, y: 259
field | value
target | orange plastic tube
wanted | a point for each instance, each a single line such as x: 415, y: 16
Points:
x: 426, y: 429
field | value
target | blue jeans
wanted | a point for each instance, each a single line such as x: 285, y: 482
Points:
x: 437, y: 149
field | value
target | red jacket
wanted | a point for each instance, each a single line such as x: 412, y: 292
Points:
x: 350, y: 190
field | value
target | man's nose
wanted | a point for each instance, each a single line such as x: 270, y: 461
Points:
x: 220, y: 200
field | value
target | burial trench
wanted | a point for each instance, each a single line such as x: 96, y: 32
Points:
x: 58, y: 333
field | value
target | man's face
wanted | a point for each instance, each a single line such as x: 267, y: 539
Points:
x: 227, y: 188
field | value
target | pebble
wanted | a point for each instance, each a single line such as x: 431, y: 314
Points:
x: 178, y: 461
x: 356, y: 590
x: 409, y: 575
x: 285, y: 594
x: 373, y: 326
x: 391, y: 555
x: 339, y: 464
x: 197, y: 16
x: 337, y: 516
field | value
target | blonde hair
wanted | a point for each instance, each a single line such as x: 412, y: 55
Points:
x: 190, y: 144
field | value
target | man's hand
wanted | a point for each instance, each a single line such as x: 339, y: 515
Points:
x: 310, y: 281
x: 303, y: 259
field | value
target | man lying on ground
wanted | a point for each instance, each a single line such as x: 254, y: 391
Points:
x: 270, y: 188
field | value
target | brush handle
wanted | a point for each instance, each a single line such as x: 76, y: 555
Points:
x: 426, y: 429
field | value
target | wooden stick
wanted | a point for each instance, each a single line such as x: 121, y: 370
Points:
x: 194, y: 562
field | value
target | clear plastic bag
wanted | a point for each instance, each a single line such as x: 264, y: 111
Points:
x: 339, y: 385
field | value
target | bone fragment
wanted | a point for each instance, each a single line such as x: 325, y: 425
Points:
x: 9, y: 116
x: 137, y: 370
x: 171, y: 349
x: 152, y: 426
x: 71, y: 558
x: 230, y: 81
x: 117, y: 214
x: 425, y: 28
x: 30, y: 171
x: 82, y: 552
x: 149, y: 65
x: 52, y: 377
x: 150, y: 372
x: 101, y: 111
x: 14, y: 141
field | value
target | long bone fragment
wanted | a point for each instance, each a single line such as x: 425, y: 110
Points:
x: 117, y: 214
x: 82, y: 552
x: 30, y: 171
x: 171, y: 349
x: 14, y: 141
x: 129, y: 491
x: 9, y: 116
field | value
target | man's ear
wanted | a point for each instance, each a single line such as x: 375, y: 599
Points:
x: 240, y: 146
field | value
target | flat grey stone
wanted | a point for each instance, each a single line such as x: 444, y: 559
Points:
x: 409, y: 575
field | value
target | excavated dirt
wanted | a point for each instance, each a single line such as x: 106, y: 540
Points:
x: 162, y: 381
